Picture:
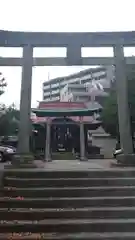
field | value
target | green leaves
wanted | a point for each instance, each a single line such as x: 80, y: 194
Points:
x: 109, y: 114
x: 3, y: 84
x: 9, y: 121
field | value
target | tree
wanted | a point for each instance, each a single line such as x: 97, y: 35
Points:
x: 9, y: 121
x: 109, y: 114
x: 9, y: 117
x: 3, y: 84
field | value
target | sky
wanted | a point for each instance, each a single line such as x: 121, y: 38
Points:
x: 59, y: 16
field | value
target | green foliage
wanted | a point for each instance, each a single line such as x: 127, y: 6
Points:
x: 3, y: 84
x: 109, y: 115
x: 9, y: 117
x: 9, y: 121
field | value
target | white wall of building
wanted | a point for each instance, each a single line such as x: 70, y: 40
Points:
x: 57, y: 90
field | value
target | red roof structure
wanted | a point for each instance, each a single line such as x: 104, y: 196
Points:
x: 72, y: 110
x: 62, y: 105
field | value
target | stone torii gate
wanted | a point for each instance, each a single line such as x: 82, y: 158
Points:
x: 73, y: 42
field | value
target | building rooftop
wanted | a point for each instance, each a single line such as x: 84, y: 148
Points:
x: 75, y: 75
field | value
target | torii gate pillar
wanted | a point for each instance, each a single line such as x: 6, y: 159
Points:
x: 123, y: 108
x: 25, y: 101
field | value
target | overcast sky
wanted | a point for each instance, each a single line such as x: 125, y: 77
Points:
x: 59, y: 15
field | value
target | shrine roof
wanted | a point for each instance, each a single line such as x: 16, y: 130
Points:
x: 69, y: 105
x: 66, y: 109
x: 59, y: 105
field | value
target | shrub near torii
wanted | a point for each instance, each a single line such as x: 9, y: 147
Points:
x: 109, y: 113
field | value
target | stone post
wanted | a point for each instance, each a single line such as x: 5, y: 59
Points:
x: 122, y: 100
x: 48, y: 141
x: 25, y: 101
x: 82, y: 140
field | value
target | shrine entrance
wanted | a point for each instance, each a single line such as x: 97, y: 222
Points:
x: 64, y: 133
x: 66, y: 126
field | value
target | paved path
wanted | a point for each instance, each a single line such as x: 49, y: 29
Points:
x: 74, y: 164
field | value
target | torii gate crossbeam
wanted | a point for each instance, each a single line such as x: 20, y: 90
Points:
x: 64, y: 39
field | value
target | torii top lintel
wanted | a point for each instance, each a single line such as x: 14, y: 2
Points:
x: 59, y: 39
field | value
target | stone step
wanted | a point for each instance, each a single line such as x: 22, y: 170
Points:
x: 70, y: 226
x: 78, y: 202
x: 63, y: 182
x: 71, y: 236
x: 96, y: 204
x: 67, y: 213
x: 21, y: 165
x: 70, y: 191
x: 93, y: 173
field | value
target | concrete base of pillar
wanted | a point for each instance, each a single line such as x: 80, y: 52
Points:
x: 22, y: 161
x: 48, y: 160
x: 126, y: 160
x: 84, y: 159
